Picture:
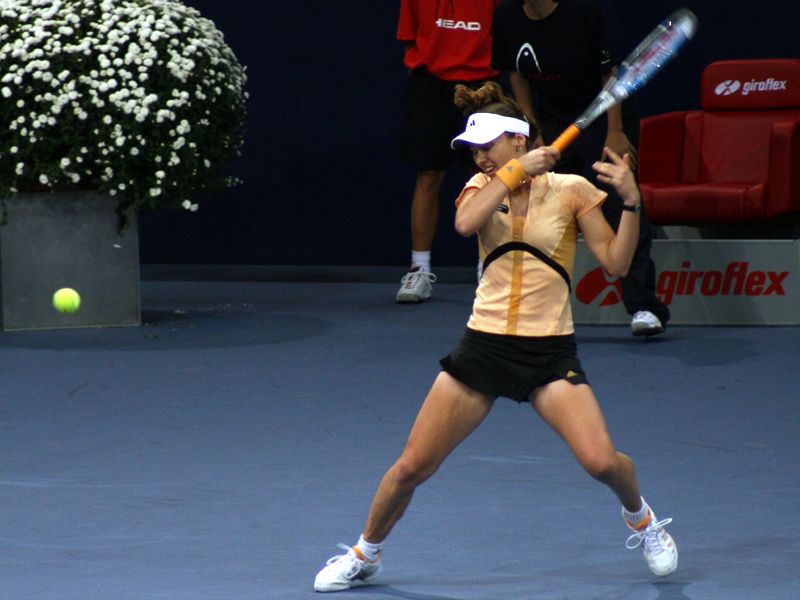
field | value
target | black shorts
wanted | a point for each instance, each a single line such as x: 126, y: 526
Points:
x: 430, y: 121
x: 513, y: 366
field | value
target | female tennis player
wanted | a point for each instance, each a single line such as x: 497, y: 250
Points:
x: 519, y: 341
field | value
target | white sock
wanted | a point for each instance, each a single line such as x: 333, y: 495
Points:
x: 639, y: 517
x: 371, y: 552
x: 421, y: 260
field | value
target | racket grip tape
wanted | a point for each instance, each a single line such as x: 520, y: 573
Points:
x: 567, y: 137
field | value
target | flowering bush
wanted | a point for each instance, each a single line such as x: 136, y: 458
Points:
x: 140, y: 99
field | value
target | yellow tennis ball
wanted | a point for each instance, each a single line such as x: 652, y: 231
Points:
x: 66, y: 300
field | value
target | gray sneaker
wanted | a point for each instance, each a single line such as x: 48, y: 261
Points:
x: 646, y: 323
x: 346, y: 570
x: 416, y: 286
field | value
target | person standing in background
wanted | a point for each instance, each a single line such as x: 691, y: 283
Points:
x: 447, y: 42
x: 558, y: 55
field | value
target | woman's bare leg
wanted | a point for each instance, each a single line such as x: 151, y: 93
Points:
x: 573, y: 412
x: 449, y: 414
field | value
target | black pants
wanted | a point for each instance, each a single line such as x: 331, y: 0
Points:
x: 639, y: 285
x: 430, y: 120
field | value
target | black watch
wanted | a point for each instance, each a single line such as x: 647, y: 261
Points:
x: 634, y: 209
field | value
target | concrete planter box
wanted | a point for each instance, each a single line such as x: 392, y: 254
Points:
x: 50, y: 241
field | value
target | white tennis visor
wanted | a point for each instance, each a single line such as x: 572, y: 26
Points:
x: 483, y: 128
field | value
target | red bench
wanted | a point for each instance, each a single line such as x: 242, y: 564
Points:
x: 737, y: 160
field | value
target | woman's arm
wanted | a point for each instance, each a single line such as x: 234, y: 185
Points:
x: 614, y: 251
x: 477, y: 206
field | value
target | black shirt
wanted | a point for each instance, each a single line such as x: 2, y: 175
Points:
x: 564, y: 57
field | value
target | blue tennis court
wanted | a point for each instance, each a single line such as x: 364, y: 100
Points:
x: 222, y: 449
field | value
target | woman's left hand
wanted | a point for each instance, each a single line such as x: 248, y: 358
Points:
x: 618, y: 174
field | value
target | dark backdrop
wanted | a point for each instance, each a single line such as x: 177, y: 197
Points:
x: 322, y: 185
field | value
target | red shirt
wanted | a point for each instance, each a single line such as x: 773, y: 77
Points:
x: 451, y: 39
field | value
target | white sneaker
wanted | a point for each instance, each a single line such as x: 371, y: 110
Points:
x: 646, y: 323
x: 658, y: 547
x: 343, y: 571
x: 416, y: 286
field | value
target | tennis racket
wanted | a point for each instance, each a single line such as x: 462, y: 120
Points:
x: 647, y: 59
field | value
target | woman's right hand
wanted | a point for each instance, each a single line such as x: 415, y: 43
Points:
x: 539, y: 160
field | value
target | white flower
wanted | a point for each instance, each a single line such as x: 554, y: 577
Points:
x: 163, y: 114
x: 110, y: 80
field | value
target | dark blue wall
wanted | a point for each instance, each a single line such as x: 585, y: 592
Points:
x: 322, y: 184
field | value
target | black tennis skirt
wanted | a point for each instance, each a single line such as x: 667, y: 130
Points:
x: 513, y: 366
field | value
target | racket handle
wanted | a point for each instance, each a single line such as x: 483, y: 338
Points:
x: 567, y: 137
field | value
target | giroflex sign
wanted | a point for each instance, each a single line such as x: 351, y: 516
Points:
x: 731, y: 86
x: 738, y: 279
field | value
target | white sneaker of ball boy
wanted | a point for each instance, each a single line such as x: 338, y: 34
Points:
x: 416, y: 286
x: 645, y: 323
x: 355, y: 568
